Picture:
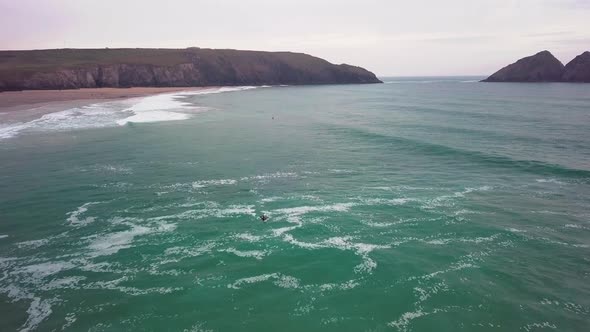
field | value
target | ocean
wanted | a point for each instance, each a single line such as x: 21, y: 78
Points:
x: 421, y: 204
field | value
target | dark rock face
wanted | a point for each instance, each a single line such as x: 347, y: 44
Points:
x: 91, y: 68
x: 541, y: 67
x: 578, y: 70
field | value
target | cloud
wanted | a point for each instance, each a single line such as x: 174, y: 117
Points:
x: 468, y: 37
x: 549, y: 34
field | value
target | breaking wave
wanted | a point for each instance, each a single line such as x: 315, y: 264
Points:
x: 156, y: 108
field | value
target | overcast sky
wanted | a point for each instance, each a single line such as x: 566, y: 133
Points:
x: 388, y: 37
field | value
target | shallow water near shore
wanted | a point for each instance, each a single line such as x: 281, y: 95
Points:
x: 416, y: 205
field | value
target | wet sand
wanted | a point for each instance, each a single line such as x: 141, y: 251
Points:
x: 13, y: 101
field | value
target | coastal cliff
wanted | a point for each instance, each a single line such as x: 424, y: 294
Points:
x: 544, y: 67
x: 95, y: 68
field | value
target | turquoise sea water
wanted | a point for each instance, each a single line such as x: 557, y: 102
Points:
x: 425, y: 204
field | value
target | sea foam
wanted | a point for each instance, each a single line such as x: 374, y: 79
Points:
x: 157, y: 108
x: 169, y: 106
x: 91, y: 116
x: 258, y: 254
x: 280, y: 280
x: 75, y: 217
x: 207, y: 183
x: 111, y: 243
x: 39, y: 309
x: 153, y: 116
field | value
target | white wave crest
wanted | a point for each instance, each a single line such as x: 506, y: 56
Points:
x: 198, y: 328
x: 91, y: 116
x: 280, y: 280
x: 251, y: 280
x: 402, y: 323
x: 538, y: 326
x: 207, y: 183
x: 42, y: 270
x: 269, y: 176
x: 74, y: 216
x: 258, y: 254
x: 343, y: 243
x: 33, y: 244
x: 350, y: 284
x: 153, y: 116
x: 156, y: 108
x: 248, y: 237
x: 170, y: 106
x: 111, y: 243
x: 551, y: 180
x: 301, y: 210
x: 38, y: 310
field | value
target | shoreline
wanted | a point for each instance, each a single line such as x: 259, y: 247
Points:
x: 29, y: 100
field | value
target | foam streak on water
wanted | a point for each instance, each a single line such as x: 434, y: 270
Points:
x: 157, y: 108
x: 427, y: 204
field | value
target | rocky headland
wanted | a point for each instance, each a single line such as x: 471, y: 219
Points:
x: 544, y: 67
x: 192, y: 67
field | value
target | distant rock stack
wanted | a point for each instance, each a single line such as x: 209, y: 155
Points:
x: 541, y: 67
x: 578, y: 70
x: 544, y: 67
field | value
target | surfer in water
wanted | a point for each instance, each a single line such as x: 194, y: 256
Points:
x: 264, y: 217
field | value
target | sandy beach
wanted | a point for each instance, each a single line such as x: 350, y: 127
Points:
x: 13, y: 101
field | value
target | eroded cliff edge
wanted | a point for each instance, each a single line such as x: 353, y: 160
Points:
x: 94, y: 68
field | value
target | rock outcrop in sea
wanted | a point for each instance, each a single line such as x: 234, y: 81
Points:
x: 544, y: 67
x: 578, y: 70
x: 541, y: 67
x: 92, y: 68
